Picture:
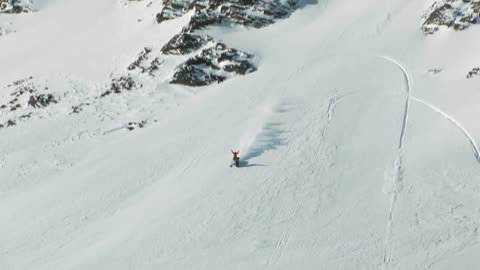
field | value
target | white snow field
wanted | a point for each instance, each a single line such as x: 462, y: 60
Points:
x: 354, y: 155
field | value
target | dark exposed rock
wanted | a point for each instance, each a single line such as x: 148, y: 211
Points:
x: 15, y: 6
x: 25, y: 116
x: 143, y: 56
x: 434, y: 71
x: 205, y: 69
x: 202, y: 19
x: 154, y: 65
x: 456, y: 14
x: 140, y: 64
x: 215, y: 64
x: 76, y: 109
x: 132, y: 125
x: 15, y: 107
x: 123, y: 83
x: 9, y: 123
x: 42, y: 100
x: 25, y: 95
x: 120, y: 84
x: 254, y: 13
x: 18, y: 82
x: 174, y: 9
x: 473, y: 72
x: 79, y: 108
x: 24, y: 89
x: 185, y: 43
x: 25, y: 92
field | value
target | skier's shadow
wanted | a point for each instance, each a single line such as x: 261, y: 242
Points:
x: 245, y: 163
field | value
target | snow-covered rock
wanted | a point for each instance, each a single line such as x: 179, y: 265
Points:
x: 173, y: 9
x: 25, y: 97
x: 16, y: 6
x: 124, y: 83
x: 201, y: 70
x: 185, y: 43
x: 252, y: 13
x: 473, y: 72
x: 79, y: 108
x: 434, y: 71
x: 145, y: 63
x: 41, y: 100
x: 132, y: 125
x: 456, y: 14
x: 214, y: 64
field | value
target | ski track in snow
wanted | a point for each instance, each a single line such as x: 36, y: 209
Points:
x: 399, y: 167
x: 211, y: 223
x: 452, y: 120
x: 282, y: 242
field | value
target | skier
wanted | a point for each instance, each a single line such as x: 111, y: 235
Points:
x: 236, y: 159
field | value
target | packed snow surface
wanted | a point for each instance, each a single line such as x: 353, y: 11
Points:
x: 358, y: 136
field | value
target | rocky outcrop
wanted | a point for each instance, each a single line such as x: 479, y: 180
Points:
x: 473, y: 72
x: 25, y: 99
x: 185, y: 43
x: 173, y: 9
x: 217, y: 63
x: 9, y: 123
x: 455, y: 14
x: 41, y: 101
x: 434, y: 71
x: 33, y: 99
x: 214, y: 64
x: 251, y: 13
x: 145, y: 64
x: 15, y: 6
x: 118, y: 85
x: 79, y: 108
x: 132, y: 125
x: 26, y: 94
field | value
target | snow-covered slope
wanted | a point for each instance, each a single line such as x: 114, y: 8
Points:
x: 358, y: 138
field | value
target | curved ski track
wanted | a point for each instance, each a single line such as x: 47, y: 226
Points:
x: 452, y: 120
x: 399, y: 168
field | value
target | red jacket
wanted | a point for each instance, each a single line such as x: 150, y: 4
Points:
x: 235, y: 154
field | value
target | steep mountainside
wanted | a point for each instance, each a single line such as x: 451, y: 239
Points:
x: 356, y: 125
